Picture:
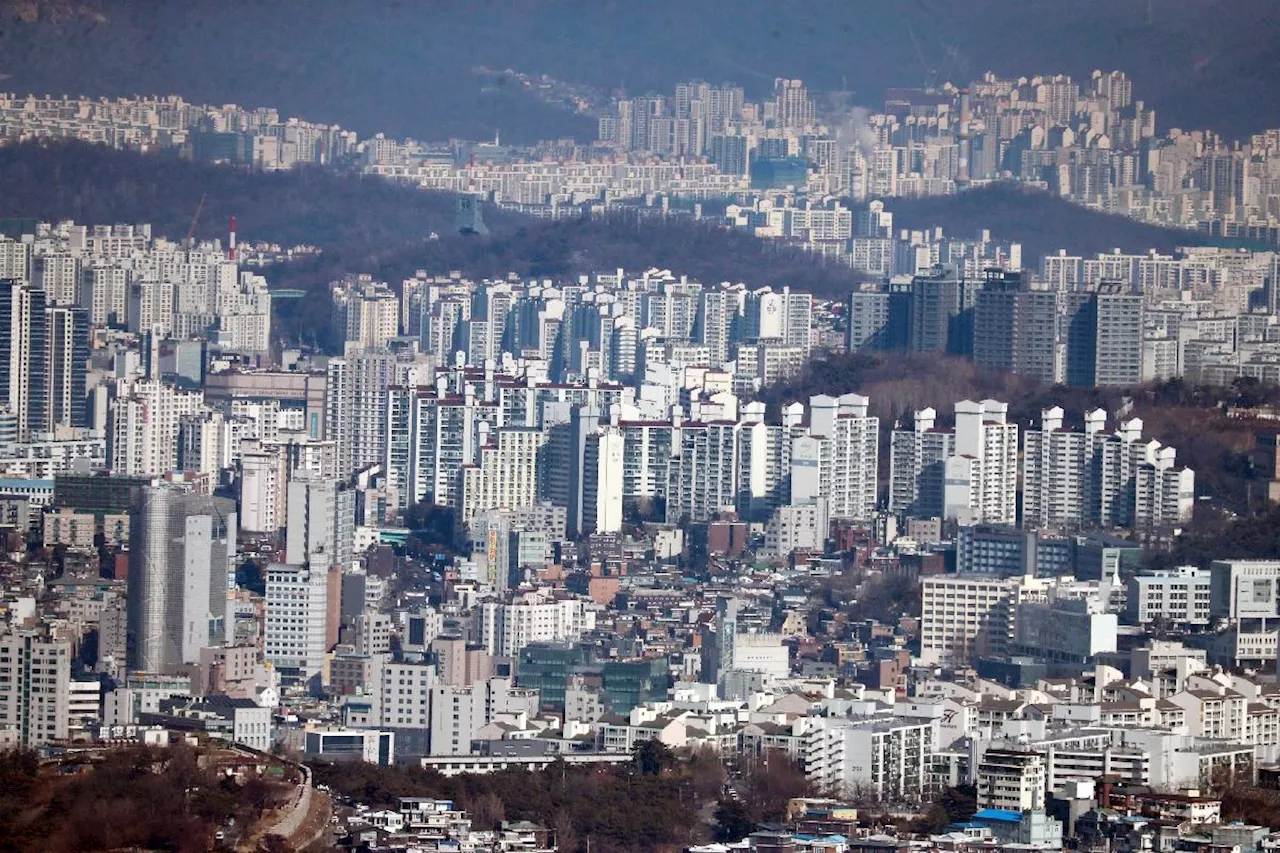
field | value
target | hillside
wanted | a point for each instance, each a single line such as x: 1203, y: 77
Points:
x: 572, y: 247
x: 403, y: 66
x: 1042, y: 222
x: 140, y: 798
x: 93, y: 184
x: 370, y: 225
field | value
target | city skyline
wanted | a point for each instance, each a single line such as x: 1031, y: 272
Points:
x: 576, y: 450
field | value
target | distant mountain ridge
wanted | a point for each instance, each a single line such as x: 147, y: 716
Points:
x: 403, y: 66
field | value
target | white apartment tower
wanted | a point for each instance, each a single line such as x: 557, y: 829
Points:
x: 263, y: 482
x: 35, y: 687
x: 917, y: 466
x: 144, y: 422
x: 602, y: 483
x: 1056, y: 490
x: 982, y: 477
x: 507, y: 476
x: 849, y: 458
x: 365, y: 313
x: 1074, y: 480
x: 969, y: 473
x: 356, y: 407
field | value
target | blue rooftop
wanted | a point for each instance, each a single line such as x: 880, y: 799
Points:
x: 1003, y: 815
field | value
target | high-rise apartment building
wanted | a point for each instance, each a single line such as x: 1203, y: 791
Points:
x: 57, y: 273
x: 730, y: 153
x: 65, y: 362
x: 365, y: 313
x: 263, y: 481
x: 321, y: 522
x: 848, y: 465
x: 969, y: 473
x: 887, y: 758
x: 507, y: 476
x: 602, y: 481
x: 1015, y: 328
x: 880, y: 319
x: 942, y: 311
x: 35, y: 687
x: 792, y: 109
x: 356, y: 407
x: 144, y: 423
x: 1103, y: 331
x: 917, y: 466
x: 982, y: 475
x: 23, y: 368
x: 1057, y: 488
x: 1091, y: 478
x: 718, y: 313
x: 785, y: 316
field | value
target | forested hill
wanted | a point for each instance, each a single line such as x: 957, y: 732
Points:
x: 370, y: 225
x: 1041, y: 221
x: 366, y: 224
x: 56, y: 180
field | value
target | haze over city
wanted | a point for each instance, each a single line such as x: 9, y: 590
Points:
x: 704, y: 426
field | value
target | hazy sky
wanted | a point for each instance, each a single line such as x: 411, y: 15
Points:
x: 403, y: 67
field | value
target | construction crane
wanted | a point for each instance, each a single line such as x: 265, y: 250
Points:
x: 195, y: 220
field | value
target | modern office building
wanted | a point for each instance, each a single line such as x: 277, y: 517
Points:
x: 181, y: 563
x: 1179, y: 597
x: 965, y: 617
x: 299, y: 624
